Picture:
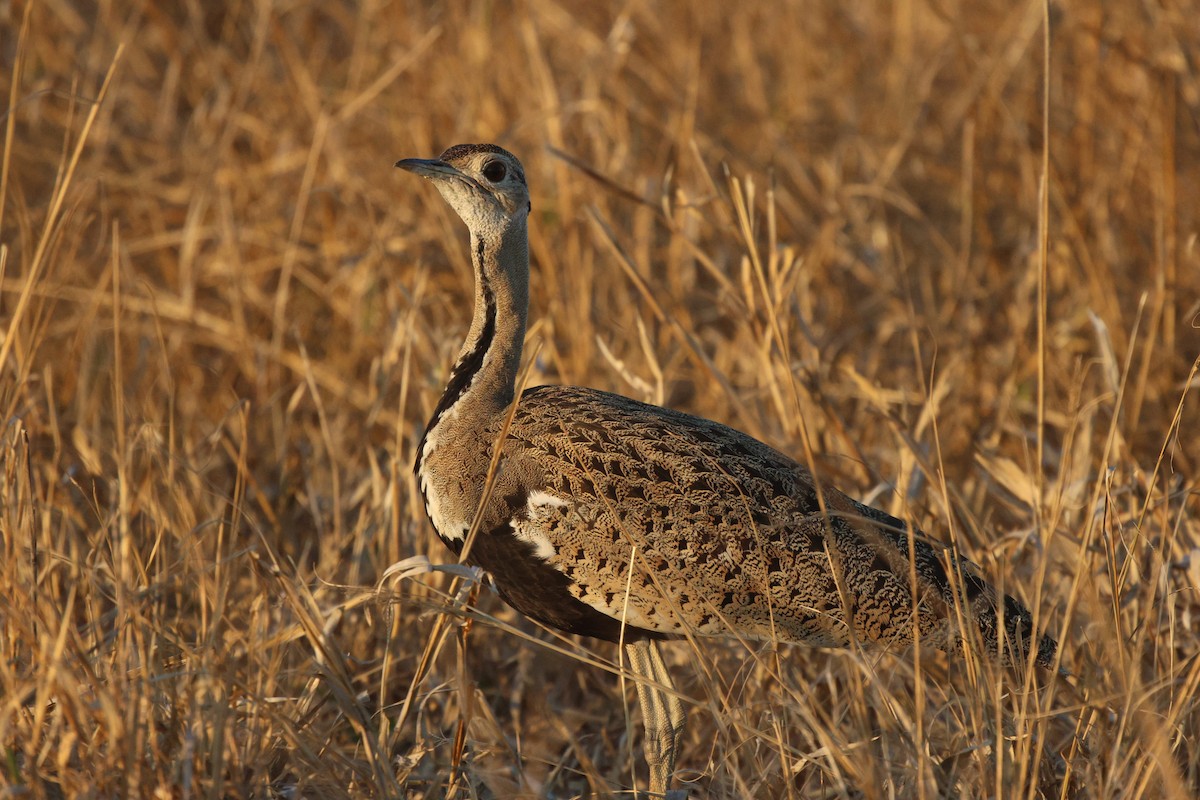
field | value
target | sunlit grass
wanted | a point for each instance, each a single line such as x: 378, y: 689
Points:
x: 226, y: 320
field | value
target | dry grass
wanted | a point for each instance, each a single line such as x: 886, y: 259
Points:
x: 226, y: 318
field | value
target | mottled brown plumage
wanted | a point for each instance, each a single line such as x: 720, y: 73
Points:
x: 728, y: 531
x: 630, y: 522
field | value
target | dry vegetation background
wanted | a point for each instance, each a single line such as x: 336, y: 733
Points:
x: 226, y: 318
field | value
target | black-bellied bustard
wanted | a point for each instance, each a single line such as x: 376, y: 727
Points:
x: 613, y: 518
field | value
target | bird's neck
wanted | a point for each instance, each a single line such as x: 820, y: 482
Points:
x: 481, y: 383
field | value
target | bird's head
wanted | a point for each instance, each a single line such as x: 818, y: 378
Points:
x: 484, y: 183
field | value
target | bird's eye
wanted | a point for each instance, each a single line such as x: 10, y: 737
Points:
x: 494, y: 171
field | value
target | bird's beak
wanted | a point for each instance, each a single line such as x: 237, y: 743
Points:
x: 429, y: 168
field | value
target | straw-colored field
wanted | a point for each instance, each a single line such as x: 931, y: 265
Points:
x: 226, y: 318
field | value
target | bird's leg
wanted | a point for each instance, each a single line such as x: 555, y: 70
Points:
x: 662, y: 715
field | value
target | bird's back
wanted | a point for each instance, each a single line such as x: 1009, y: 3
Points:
x: 636, y: 520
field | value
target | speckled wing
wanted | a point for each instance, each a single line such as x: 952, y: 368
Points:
x: 674, y: 523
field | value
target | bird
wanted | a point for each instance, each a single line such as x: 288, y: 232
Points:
x: 600, y: 515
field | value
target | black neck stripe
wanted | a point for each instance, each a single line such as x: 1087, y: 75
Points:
x: 468, y: 366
